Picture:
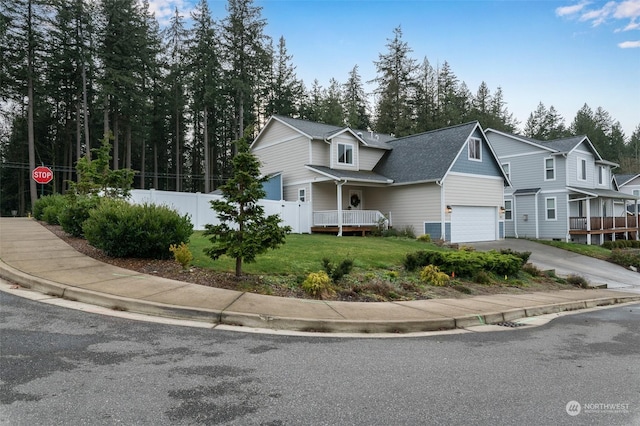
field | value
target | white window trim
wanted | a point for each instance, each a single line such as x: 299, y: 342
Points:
x: 302, y: 195
x: 544, y: 164
x: 353, y: 154
x: 602, y: 176
x: 581, y: 161
x: 479, y: 149
x: 508, y: 210
x: 508, y: 173
x: 555, y: 209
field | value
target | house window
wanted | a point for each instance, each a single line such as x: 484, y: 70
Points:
x: 345, y: 153
x: 302, y: 195
x: 507, y: 170
x: 582, y: 169
x: 475, y: 149
x: 601, y: 175
x: 636, y: 192
x: 551, y: 208
x: 549, y: 169
x: 508, y: 210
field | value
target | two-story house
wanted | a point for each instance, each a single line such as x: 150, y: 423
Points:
x: 447, y: 183
x: 561, y: 189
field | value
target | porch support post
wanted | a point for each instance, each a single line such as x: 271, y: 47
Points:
x: 339, y: 204
x: 588, y: 203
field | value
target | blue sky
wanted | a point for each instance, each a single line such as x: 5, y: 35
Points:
x: 561, y: 53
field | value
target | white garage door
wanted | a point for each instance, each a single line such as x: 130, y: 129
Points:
x: 473, y: 224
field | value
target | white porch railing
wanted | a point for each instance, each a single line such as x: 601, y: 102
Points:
x: 349, y: 218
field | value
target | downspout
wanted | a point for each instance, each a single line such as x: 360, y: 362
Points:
x: 537, y: 216
x: 443, y: 228
x: 514, y: 216
x: 339, y: 184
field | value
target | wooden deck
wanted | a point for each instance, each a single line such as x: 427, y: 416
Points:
x: 362, y: 230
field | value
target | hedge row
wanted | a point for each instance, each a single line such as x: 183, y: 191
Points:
x: 619, y: 244
x: 465, y: 263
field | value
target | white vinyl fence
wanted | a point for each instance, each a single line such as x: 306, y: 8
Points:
x: 297, y: 215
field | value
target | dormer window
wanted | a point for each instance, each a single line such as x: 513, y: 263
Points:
x: 345, y: 154
x: 475, y: 149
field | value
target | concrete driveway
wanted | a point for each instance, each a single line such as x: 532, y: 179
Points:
x: 545, y: 257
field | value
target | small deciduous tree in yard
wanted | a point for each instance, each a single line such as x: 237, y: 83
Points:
x: 244, y: 231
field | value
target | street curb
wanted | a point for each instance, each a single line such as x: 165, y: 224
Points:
x: 292, y: 323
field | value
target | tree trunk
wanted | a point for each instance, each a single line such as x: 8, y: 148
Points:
x: 85, y: 107
x: 33, y: 189
x: 116, y: 148
x: 177, y: 151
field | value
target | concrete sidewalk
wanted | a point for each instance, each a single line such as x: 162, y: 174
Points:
x: 33, y: 257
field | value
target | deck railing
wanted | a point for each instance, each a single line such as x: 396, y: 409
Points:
x: 349, y: 218
x: 597, y: 223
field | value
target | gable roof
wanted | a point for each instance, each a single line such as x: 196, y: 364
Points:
x: 557, y: 146
x: 622, y: 180
x: 321, y: 131
x: 426, y: 157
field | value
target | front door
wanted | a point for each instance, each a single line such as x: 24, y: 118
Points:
x: 355, y: 199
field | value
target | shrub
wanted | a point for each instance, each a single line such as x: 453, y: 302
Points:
x: 482, y: 277
x: 464, y: 263
x: 431, y: 274
x: 318, y: 284
x: 72, y: 218
x: 532, y: 270
x: 524, y: 255
x: 626, y: 258
x: 144, y: 231
x: 48, y: 208
x: 181, y: 254
x: 425, y: 238
x: 577, y: 281
x: 611, y: 245
x: 337, y: 272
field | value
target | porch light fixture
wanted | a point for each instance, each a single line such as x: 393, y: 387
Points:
x: 448, y: 209
x: 502, y: 209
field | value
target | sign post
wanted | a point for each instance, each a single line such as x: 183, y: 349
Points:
x: 42, y: 175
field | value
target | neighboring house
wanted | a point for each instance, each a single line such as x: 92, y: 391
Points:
x: 447, y: 183
x: 562, y: 190
x: 629, y: 184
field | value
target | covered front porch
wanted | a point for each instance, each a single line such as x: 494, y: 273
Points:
x: 349, y: 221
x: 343, y: 202
x: 597, y: 216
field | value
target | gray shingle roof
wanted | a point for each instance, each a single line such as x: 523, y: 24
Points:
x: 426, y: 156
x: 322, y: 131
x: 622, y: 179
x: 563, y: 145
x: 361, y: 176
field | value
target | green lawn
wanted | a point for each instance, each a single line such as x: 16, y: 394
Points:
x: 303, y: 253
x: 587, y: 250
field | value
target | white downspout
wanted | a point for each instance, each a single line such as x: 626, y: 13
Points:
x: 535, y: 201
x: 588, y: 203
x: 514, y: 217
x: 443, y: 228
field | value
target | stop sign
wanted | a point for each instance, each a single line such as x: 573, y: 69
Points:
x: 42, y: 174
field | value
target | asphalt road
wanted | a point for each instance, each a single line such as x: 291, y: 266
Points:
x: 566, y: 263
x: 60, y: 366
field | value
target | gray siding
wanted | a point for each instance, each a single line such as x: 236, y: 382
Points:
x: 525, y: 206
x: 550, y: 229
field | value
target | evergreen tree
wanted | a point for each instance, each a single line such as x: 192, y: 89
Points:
x: 396, y: 87
x: 247, y: 59
x: 451, y: 100
x: 426, y: 108
x: 502, y: 118
x: 545, y: 124
x: 355, y: 102
x: 244, y: 231
x: 284, y: 89
x: 332, y: 109
x: 176, y: 39
x: 206, y: 82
